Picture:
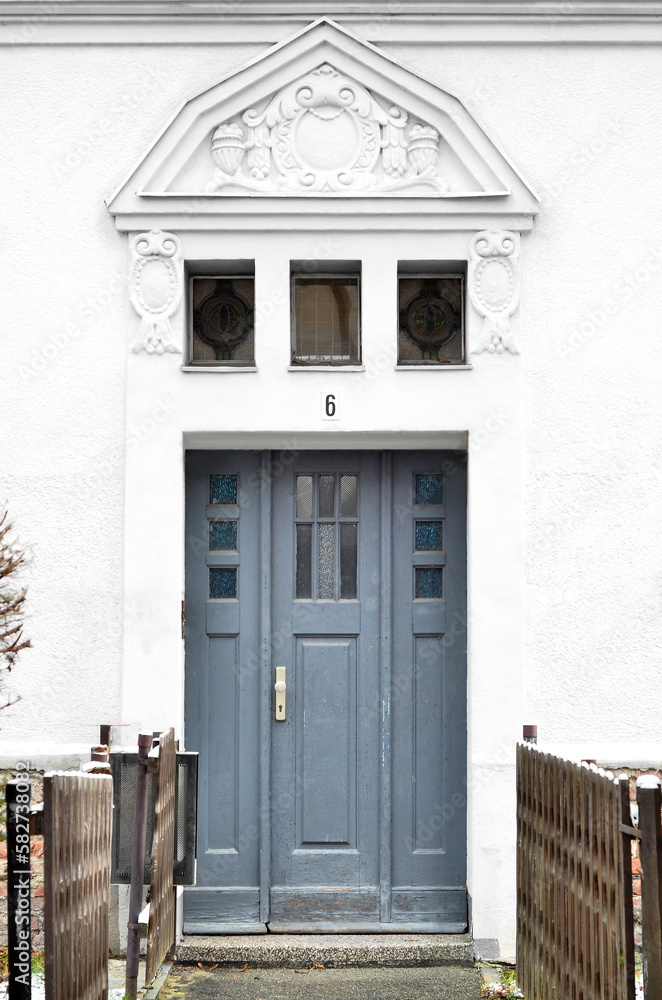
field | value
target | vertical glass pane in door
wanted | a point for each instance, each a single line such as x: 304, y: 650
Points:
x: 304, y: 573
x: 326, y: 496
x: 348, y: 561
x: 326, y: 562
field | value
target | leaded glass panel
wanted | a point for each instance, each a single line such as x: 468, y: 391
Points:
x: 431, y: 319
x: 223, y: 489
x: 221, y: 318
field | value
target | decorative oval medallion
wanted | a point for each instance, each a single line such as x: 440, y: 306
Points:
x: 494, y: 282
x: 156, y: 279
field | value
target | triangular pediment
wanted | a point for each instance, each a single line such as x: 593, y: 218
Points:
x: 323, y: 117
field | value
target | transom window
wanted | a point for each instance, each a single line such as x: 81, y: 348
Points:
x: 431, y: 314
x: 325, y: 315
x: 221, y: 331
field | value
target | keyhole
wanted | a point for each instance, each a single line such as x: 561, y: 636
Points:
x: 280, y: 708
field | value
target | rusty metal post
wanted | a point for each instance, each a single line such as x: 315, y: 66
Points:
x: 137, y: 868
x: 649, y: 799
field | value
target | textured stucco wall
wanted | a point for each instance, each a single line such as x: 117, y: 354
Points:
x: 579, y: 123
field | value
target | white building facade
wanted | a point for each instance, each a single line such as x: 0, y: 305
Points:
x: 353, y: 372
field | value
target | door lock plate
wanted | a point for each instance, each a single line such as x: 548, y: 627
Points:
x: 280, y: 688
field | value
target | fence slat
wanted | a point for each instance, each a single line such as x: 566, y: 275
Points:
x: 574, y: 937
x: 626, y: 885
x: 78, y: 810
x: 649, y: 798
x: 161, y: 932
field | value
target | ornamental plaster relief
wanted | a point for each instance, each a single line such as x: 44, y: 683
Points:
x: 494, y: 287
x: 325, y: 134
x: 155, y: 289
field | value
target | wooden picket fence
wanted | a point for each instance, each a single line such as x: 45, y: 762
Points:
x: 575, y: 928
x: 78, y: 819
x: 574, y: 884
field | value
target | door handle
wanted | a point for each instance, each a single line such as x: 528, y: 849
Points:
x: 280, y: 687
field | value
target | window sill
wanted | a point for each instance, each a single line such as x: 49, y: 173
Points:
x: 433, y: 368
x: 217, y: 368
x: 326, y: 368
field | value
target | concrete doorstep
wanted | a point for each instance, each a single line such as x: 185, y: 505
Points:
x: 328, y: 967
x: 301, y: 951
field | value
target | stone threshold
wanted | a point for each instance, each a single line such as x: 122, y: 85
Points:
x: 300, y: 951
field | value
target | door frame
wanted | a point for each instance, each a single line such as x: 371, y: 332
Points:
x: 266, y: 475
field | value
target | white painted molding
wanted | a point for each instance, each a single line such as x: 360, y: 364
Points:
x: 134, y: 10
x: 494, y: 287
x: 155, y: 289
x: 261, y: 143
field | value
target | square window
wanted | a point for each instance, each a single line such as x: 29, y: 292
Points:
x: 325, y: 318
x: 222, y: 489
x: 431, y: 316
x: 221, y: 309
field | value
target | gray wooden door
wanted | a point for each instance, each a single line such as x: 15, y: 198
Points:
x: 348, y: 570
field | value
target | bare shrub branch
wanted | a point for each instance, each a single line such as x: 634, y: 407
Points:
x: 12, y: 600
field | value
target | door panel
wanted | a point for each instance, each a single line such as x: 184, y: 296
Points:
x: 429, y: 688
x: 350, y: 813
x: 222, y: 687
x: 325, y: 755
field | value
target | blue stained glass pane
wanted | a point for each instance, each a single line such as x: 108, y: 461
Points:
x: 222, y: 489
x: 428, y: 536
x: 429, y: 490
x: 428, y: 583
x: 223, y: 535
x: 223, y: 583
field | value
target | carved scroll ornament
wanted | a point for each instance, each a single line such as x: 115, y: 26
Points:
x: 325, y: 134
x: 155, y: 289
x: 494, y: 286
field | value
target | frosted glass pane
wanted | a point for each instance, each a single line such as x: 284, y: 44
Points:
x: 326, y: 496
x: 223, y: 536
x: 348, y: 496
x: 304, y: 496
x: 223, y: 583
x: 428, y: 583
x: 429, y: 490
x: 222, y: 489
x: 304, y: 582
x: 428, y: 536
x: 326, y: 559
x: 348, y: 554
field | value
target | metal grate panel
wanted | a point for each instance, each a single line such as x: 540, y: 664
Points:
x: 124, y: 768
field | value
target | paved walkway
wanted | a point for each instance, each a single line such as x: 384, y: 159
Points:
x: 437, y: 983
